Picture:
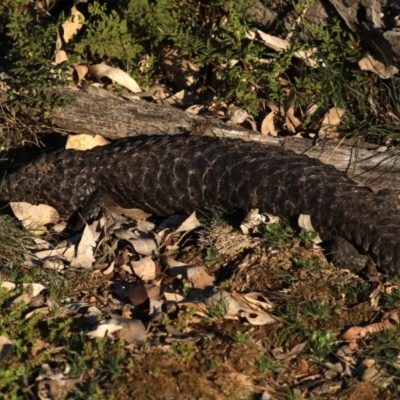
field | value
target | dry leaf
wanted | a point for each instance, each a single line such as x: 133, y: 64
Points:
x: 35, y: 216
x: 137, y: 294
x: 369, y: 63
x: 64, y: 253
x: 331, y: 120
x: 195, y: 109
x: 270, y: 41
x: 118, y: 76
x: 255, y: 299
x: 145, y: 268
x: 268, y: 125
x: 85, y: 141
x: 176, y: 269
x: 60, y: 56
x: 199, y: 277
x: 189, y: 224
x: 291, y: 121
x: 236, y: 115
x: 85, y: 251
x: 278, y: 44
x: 73, y: 24
x: 35, y: 288
x: 145, y: 247
x: 80, y: 72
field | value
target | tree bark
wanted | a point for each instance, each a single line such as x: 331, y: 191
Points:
x: 368, y: 164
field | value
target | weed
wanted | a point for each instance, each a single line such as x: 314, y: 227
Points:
x: 267, y: 364
x: 355, y: 292
x: 13, y: 242
x: 278, y: 236
x: 211, y: 256
x: 309, y: 264
x: 217, y: 308
x: 184, y: 352
x: 215, y: 363
x: 184, y: 319
x: 386, y: 350
x: 186, y: 288
x: 320, y: 343
x: 306, y: 238
x: 241, y: 337
x: 214, y: 216
x: 61, y: 285
x: 391, y: 299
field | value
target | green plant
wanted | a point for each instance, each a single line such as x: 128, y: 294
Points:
x: 184, y: 352
x: 241, y: 337
x: 13, y: 243
x: 267, y: 364
x: 386, y: 350
x: 30, y: 53
x: 391, y: 299
x: 320, y: 343
x: 211, y: 256
x: 309, y: 263
x: 277, y: 235
x: 186, y: 288
x: 306, y: 238
x: 217, y: 308
x: 214, y: 216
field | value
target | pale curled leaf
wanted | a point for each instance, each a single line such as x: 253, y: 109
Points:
x: 270, y: 41
x: 189, y: 224
x: 145, y: 268
x: 236, y: 115
x: 268, y: 125
x: 85, y: 141
x: 80, y: 72
x: 369, y: 63
x: 116, y: 75
x: 85, y: 251
x: 72, y: 25
x: 34, y: 216
x: 175, y: 269
x: 145, y: 247
x: 331, y: 120
x: 35, y: 288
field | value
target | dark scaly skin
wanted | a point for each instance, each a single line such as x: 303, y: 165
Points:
x: 170, y: 174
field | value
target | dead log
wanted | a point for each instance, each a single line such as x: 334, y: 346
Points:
x: 368, y: 164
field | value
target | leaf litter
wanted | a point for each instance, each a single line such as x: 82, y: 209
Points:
x: 148, y: 281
